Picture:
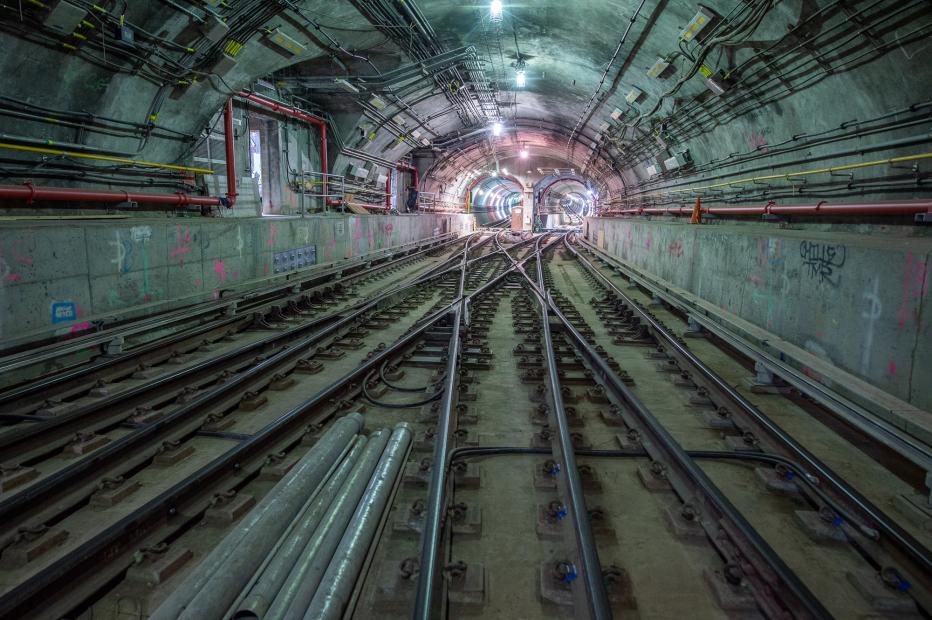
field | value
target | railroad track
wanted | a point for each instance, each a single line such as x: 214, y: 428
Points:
x: 573, y: 452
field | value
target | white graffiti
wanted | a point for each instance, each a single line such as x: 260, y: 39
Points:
x: 120, y: 251
x: 239, y: 240
x: 872, y: 311
x: 141, y: 233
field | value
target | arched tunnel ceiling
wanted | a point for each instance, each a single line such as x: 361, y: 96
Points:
x: 595, y: 101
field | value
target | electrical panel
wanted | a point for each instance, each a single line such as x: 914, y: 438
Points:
x: 616, y: 114
x: 285, y: 44
x: 652, y: 171
x: 289, y: 260
x: 425, y: 141
x: 416, y: 134
x: 213, y: 28
x: 697, y: 24
x: 400, y: 120
x: 603, y: 127
x: 634, y: 95
x: 381, y: 179
x: 677, y: 161
x: 360, y: 172
x: 65, y: 17
x: 377, y: 102
x: 658, y: 68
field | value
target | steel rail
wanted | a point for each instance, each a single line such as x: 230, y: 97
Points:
x: 14, y: 361
x: 77, y: 416
x: 430, y: 538
x: 596, y: 596
x: 888, y: 529
x: 905, y: 445
x: 776, y: 587
x: 42, y: 494
x: 107, y: 554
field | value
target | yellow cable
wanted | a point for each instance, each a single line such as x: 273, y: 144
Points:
x: 800, y: 173
x: 121, y: 160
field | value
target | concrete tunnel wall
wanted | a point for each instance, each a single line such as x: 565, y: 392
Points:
x: 854, y: 297
x: 62, y: 275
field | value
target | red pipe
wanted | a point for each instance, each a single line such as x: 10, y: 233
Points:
x: 771, y: 208
x: 299, y: 114
x: 231, y: 152
x: 30, y: 193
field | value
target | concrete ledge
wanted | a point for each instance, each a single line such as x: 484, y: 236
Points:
x: 57, y: 277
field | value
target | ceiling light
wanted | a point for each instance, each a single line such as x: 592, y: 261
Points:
x: 496, y: 129
x: 504, y: 170
x: 523, y: 153
x: 495, y: 10
x: 520, y: 78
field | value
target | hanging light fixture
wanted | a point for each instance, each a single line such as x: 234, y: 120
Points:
x: 520, y: 78
x: 523, y: 153
x: 495, y: 11
x: 496, y: 128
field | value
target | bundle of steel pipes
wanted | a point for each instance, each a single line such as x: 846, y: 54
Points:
x: 299, y: 552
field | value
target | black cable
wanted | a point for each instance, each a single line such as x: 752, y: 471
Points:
x: 371, y: 399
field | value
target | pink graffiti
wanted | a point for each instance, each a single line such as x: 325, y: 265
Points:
x: 915, y: 287
x: 648, y: 242
x: 24, y: 260
x: 79, y: 327
x: 182, y: 246
x: 330, y: 248
x: 265, y: 270
x: 389, y: 228
x: 674, y: 249
x: 757, y: 141
x: 220, y: 270
x: 371, y: 238
x: 891, y: 368
x: 198, y: 282
x: 273, y: 236
x: 12, y: 277
x: 147, y: 298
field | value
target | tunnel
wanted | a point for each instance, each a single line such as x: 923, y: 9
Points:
x: 423, y: 309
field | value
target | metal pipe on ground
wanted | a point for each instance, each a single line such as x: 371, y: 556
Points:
x: 215, y: 583
x: 337, y: 585
x: 298, y: 588
x: 262, y: 592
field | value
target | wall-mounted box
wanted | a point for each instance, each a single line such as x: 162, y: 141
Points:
x: 65, y: 17
x: 658, y: 68
x: 634, y: 95
x: 697, y: 24
x: 616, y: 114
x: 285, y: 44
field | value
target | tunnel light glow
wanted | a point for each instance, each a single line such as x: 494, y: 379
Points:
x: 520, y: 78
x: 496, y: 129
x: 505, y: 170
x: 523, y: 153
x: 495, y: 10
